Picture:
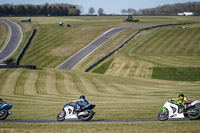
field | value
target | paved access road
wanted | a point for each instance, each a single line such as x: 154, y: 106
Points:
x: 14, y: 41
x: 83, y: 53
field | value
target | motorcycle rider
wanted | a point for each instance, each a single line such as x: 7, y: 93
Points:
x: 2, y: 102
x: 80, y: 103
x: 181, y: 100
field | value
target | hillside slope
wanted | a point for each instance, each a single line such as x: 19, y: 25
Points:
x: 40, y: 94
x: 176, y: 46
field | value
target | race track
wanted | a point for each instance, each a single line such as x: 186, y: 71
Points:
x: 70, y: 63
x: 14, y: 41
x: 55, y: 121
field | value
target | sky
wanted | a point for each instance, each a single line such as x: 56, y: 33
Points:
x: 109, y: 6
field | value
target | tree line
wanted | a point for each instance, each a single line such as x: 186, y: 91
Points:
x: 39, y: 10
x: 172, y: 9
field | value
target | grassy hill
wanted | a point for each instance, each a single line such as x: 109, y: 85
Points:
x: 176, y: 46
x: 120, y: 93
x: 4, y: 35
x: 41, y: 94
x: 53, y: 44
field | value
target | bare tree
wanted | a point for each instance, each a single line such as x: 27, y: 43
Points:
x: 91, y: 10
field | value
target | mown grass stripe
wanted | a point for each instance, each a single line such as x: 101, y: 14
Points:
x: 70, y: 84
x: 10, y: 82
x: 30, y: 84
x: 79, y: 85
x: 89, y: 85
x: 50, y: 85
x: 60, y: 86
x: 20, y: 83
x: 4, y: 74
x: 41, y: 83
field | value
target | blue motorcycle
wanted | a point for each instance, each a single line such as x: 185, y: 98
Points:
x: 4, y: 111
x: 69, y: 113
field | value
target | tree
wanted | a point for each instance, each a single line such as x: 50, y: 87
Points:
x: 100, y: 11
x: 91, y: 10
x: 123, y: 11
x: 132, y: 11
x: 38, y: 10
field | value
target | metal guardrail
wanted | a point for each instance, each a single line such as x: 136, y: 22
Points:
x: 25, y: 46
x: 122, y: 45
x: 14, y: 65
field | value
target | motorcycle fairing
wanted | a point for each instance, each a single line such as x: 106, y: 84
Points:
x: 6, y: 107
x: 89, y: 106
x: 173, y: 110
x: 195, y: 103
x: 69, y: 110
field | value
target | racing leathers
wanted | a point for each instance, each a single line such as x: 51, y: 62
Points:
x: 80, y: 103
x: 182, y: 101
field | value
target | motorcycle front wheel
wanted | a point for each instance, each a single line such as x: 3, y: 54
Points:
x: 194, y: 116
x: 3, y: 114
x: 163, y: 116
x: 89, y: 115
x: 61, y: 116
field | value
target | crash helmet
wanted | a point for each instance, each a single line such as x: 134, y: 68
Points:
x: 0, y: 99
x: 181, y: 96
x: 82, y: 97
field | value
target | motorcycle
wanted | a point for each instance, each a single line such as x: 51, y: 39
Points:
x: 4, y: 111
x: 173, y: 111
x: 70, y: 113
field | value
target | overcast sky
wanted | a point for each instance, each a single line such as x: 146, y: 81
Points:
x: 109, y: 6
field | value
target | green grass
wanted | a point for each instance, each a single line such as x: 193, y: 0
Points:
x: 41, y: 94
x: 102, y: 69
x: 53, y: 44
x: 177, y: 74
x: 101, y: 127
x: 4, y: 35
x: 173, y: 46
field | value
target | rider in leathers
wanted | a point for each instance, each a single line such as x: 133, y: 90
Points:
x: 181, y: 100
x: 2, y: 102
x: 81, y: 102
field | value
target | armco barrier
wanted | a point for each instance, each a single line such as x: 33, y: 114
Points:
x: 121, y: 46
x: 25, y: 47
x: 14, y: 65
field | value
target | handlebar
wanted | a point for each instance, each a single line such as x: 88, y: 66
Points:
x: 171, y: 100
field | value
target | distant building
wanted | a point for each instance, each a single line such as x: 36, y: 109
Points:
x: 186, y: 14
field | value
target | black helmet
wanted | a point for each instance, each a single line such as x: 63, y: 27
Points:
x: 82, y: 96
x: 0, y: 99
x: 181, y: 96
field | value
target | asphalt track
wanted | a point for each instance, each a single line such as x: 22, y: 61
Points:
x: 70, y: 63
x: 14, y: 41
x: 55, y: 121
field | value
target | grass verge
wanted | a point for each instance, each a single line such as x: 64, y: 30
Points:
x: 103, y: 127
x: 177, y: 74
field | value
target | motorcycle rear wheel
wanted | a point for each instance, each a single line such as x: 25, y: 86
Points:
x: 194, y: 116
x: 3, y: 114
x: 89, y: 116
x: 163, y: 116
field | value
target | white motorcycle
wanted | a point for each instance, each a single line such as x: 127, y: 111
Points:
x: 69, y: 113
x: 173, y: 111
